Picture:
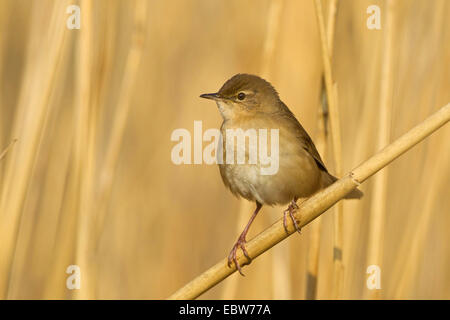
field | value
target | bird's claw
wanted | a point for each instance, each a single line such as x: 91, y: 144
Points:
x: 232, y: 256
x: 290, y: 210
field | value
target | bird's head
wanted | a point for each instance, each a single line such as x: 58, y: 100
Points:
x: 244, y: 95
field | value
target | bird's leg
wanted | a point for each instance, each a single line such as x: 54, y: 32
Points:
x: 290, y: 210
x: 240, y: 243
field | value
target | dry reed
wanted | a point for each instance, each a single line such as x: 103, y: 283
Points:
x: 335, y: 133
x: 32, y: 109
x: 321, y: 145
x: 379, y: 194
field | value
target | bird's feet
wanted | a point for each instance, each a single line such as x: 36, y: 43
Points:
x: 290, y: 210
x: 240, y: 243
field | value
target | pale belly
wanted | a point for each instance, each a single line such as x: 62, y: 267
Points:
x: 298, y: 176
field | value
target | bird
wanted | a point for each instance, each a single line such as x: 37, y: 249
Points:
x: 248, y: 102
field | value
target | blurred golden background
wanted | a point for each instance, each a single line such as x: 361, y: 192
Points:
x: 90, y: 181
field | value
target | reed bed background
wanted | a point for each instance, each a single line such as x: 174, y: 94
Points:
x: 89, y: 180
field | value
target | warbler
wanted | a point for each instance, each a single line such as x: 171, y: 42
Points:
x: 248, y: 102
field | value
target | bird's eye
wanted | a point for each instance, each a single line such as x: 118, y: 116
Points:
x: 241, y: 96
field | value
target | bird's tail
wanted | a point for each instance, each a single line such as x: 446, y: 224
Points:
x: 328, y: 179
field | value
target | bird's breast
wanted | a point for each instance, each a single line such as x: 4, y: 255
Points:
x: 297, y: 174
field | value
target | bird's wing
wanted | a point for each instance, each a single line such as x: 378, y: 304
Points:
x: 309, y: 146
x: 302, y: 135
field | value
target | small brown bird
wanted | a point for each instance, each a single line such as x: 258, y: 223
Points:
x: 249, y: 102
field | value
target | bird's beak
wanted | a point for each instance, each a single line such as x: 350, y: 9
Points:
x: 212, y: 96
